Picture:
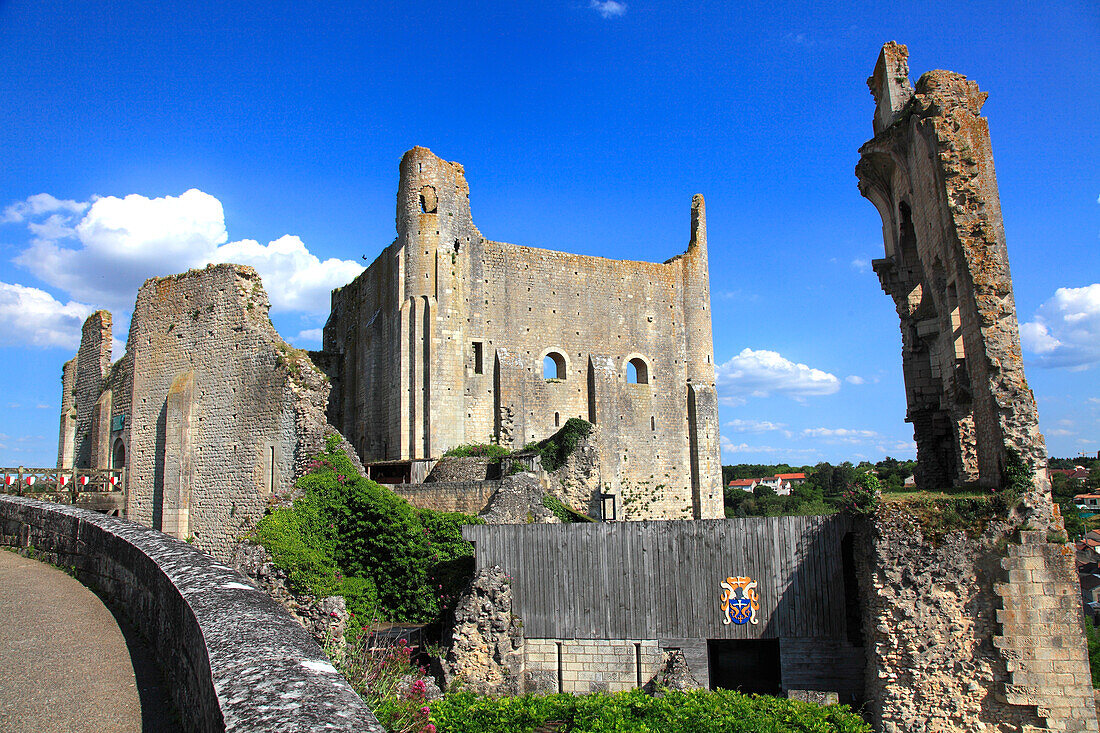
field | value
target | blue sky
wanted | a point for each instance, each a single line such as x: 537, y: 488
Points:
x: 140, y: 139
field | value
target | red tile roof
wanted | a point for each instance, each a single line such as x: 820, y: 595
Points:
x: 790, y: 475
x: 742, y: 482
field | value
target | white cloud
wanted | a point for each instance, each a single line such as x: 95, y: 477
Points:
x: 295, y: 279
x: 120, y: 242
x: 840, y: 435
x: 855, y: 379
x: 309, y: 335
x: 1066, y: 329
x: 608, y: 8
x: 32, y: 317
x: 761, y: 373
x: 753, y: 426
x: 861, y: 265
x: 729, y: 446
x: 1060, y: 432
x: 40, y: 203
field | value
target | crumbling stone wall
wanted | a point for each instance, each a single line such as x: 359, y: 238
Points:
x: 485, y: 645
x: 929, y: 172
x: 218, y: 414
x: 442, y: 340
x: 971, y: 634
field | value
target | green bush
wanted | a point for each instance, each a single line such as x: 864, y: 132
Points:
x: 863, y: 495
x: 697, y: 711
x: 477, y: 450
x: 1018, y: 479
x: 347, y: 535
x: 559, y: 446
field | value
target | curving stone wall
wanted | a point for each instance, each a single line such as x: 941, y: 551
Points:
x: 233, y: 658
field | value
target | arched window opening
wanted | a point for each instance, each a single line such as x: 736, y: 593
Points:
x: 553, y: 366
x: 637, y: 372
x: 118, y: 454
x: 557, y: 419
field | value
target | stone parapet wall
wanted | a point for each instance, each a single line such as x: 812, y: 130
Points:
x: 468, y: 497
x: 233, y: 659
x: 451, y: 469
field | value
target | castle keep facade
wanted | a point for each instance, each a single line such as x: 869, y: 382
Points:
x: 451, y: 338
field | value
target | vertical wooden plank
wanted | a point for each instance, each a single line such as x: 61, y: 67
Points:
x: 664, y: 601
x: 643, y: 584
x: 606, y: 535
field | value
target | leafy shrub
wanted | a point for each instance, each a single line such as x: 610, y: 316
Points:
x: 696, y: 711
x: 559, y: 446
x: 477, y: 450
x: 361, y: 598
x: 350, y: 536
x: 862, y: 496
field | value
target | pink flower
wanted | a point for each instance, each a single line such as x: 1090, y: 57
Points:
x: 429, y: 728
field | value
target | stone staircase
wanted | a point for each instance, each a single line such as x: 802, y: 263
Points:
x: 1041, y: 637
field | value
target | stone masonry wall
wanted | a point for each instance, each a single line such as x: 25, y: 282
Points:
x: 949, y: 647
x: 442, y: 341
x: 468, y: 497
x: 93, y: 362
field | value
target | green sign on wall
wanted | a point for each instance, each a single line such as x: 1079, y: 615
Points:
x: 117, y: 422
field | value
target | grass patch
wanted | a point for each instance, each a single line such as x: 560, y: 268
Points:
x: 478, y: 450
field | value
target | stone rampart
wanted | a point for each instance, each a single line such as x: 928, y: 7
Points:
x: 968, y: 634
x: 469, y: 497
x: 233, y: 659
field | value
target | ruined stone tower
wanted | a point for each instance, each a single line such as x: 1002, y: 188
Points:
x: 929, y: 172
x: 443, y: 341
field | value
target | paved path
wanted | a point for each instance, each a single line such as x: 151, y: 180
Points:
x: 66, y: 663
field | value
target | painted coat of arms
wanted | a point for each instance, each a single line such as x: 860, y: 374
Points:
x: 740, y: 602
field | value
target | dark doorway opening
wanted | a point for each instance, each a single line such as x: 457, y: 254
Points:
x: 748, y: 665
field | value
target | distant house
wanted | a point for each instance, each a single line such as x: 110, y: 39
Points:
x: 745, y: 484
x: 1078, y: 473
x: 1087, y: 502
x: 781, y: 483
x: 910, y: 482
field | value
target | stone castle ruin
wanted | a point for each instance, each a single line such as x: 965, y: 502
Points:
x: 449, y: 338
x: 441, y: 341
x: 929, y: 172
x: 209, y: 412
